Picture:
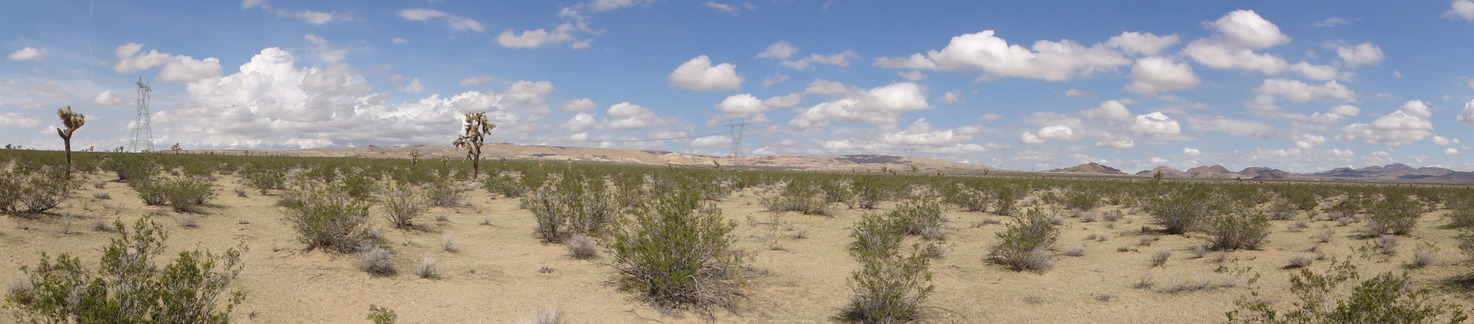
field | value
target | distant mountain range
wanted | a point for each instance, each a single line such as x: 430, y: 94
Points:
x: 1396, y: 172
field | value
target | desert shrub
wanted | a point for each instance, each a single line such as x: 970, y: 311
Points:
x: 263, y: 178
x: 152, y: 192
x: 1024, y: 244
x: 969, y: 199
x: 382, y: 315
x: 677, y: 252
x: 1461, y: 218
x: 187, y: 193
x: 868, y: 192
x: 571, y: 205
x: 875, y: 234
x: 1281, y: 210
x: 28, y: 190
x: 402, y: 203
x: 130, y: 168
x: 1394, y: 215
x: 376, y: 260
x: 889, y: 287
x: 325, y: 216
x: 507, y: 183
x: 1238, y: 231
x: 1181, y: 210
x: 1160, y: 257
x: 1080, y: 198
x: 446, y: 191
x: 800, y: 196
x: 1347, y: 207
x: 545, y: 316
x: 1386, y: 298
x: 128, y: 286
x: 428, y: 268
x: 917, y: 217
x: 1006, y: 200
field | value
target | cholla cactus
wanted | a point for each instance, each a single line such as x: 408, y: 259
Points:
x: 474, y: 137
x: 71, y: 121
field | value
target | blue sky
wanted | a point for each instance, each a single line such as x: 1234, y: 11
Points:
x: 1028, y: 85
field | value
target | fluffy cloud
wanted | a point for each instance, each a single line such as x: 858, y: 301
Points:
x: 1109, y: 110
x: 1444, y: 141
x: 1056, y: 132
x: 324, y: 51
x: 1362, y: 54
x: 781, y: 50
x: 1406, y: 125
x: 1142, y: 43
x: 950, y: 97
x: 876, y: 106
x: 413, y: 86
x: 1155, y: 123
x: 1191, y: 151
x: 177, y: 68
x: 1307, y: 141
x: 1078, y: 93
x: 106, y: 98
x: 1463, y: 9
x: 1450, y: 151
x: 1157, y: 74
x: 272, y: 103
x: 699, y: 74
x: 475, y: 80
x: 1247, y: 29
x: 1219, y: 54
x: 580, y: 122
x: 841, y: 59
x: 455, y: 22
x: 625, y: 115
x: 741, y: 105
x: 922, y: 133
x: 577, y: 105
x: 534, y: 38
x: 709, y: 141
x: 1045, y: 60
x: 1120, y: 144
x: 27, y: 54
x: 1466, y: 116
x: 1296, y: 91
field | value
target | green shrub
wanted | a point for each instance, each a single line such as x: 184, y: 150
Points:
x: 382, y: 315
x: 875, y: 234
x: 507, y: 183
x: 325, y: 216
x: 571, y: 205
x: 128, y: 287
x: 677, y: 252
x: 1461, y: 217
x: 919, y: 217
x: 29, y: 190
x: 446, y: 191
x: 1081, y: 199
x: 1238, y: 231
x: 1394, y: 215
x: 1182, y: 210
x: 1024, y: 244
x: 889, y: 287
x: 263, y: 178
x: 1386, y: 298
x: 187, y: 193
x: 402, y: 203
x: 868, y: 192
x: 800, y: 196
x: 969, y: 199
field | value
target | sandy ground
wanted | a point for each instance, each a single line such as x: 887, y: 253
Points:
x: 496, y: 277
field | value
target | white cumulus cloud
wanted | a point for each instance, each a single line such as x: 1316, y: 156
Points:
x: 106, y: 98
x: 1466, y: 116
x: 1361, y: 54
x: 534, y: 38
x: 781, y: 50
x: 1463, y: 9
x: 1406, y: 125
x: 699, y: 74
x: 27, y: 54
x: 177, y: 68
x: 1191, y: 151
x: 1158, y: 74
x: 578, y: 105
x: 876, y: 106
x: 1155, y: 123
x: 1109, y: 110
x: 1045, y: 60
x: 455, y: 22
x: 1142, y: 43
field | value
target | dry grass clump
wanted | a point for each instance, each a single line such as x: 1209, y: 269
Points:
x: 1160, y: 257
x: 582, y: 247
x: 448, y: 244
x: 402, y: 203
x: 1076, y: 250
x: 377, y: 261
x: 101, y: 195
x: 428, y: 268
x: 1024, y: 244
x: 545, y: 316
x: 1300, y: 260
x: 1423, y: 256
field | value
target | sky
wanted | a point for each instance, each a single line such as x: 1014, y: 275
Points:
x: 1301, y: 86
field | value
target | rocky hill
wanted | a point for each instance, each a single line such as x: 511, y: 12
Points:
x: 1090, y: 168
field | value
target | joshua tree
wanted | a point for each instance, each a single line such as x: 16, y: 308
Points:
x: 176, y: 148
x: 72, y: 121
x: 474, y: 137
x: 414, y: 157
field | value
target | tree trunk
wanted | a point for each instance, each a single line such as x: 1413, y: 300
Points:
x: 67, y: 142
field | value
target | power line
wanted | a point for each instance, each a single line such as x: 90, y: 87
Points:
x: 143, y: 133
x: 735, y: 130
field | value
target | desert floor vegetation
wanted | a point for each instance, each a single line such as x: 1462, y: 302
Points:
x: 315, y: 247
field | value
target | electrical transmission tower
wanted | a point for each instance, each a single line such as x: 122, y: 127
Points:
x: 736, y: 130
x: 143, y: 134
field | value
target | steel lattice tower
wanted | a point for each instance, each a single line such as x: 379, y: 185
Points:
x: 736, y: 130
x: 143, y: 134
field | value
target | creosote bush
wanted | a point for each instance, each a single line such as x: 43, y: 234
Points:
x: 1238, y: 231
x: 1386, y: 298
x: 1181, y: 210
x: 25, y: 189
x: 325, y: 216
x: 677, y: 253
x: 571, y: 205
x: 801, y: 196
x: 128, y: 286
x: 1025, y: 243
x: 889, y: 286
x: 1394, y: 215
